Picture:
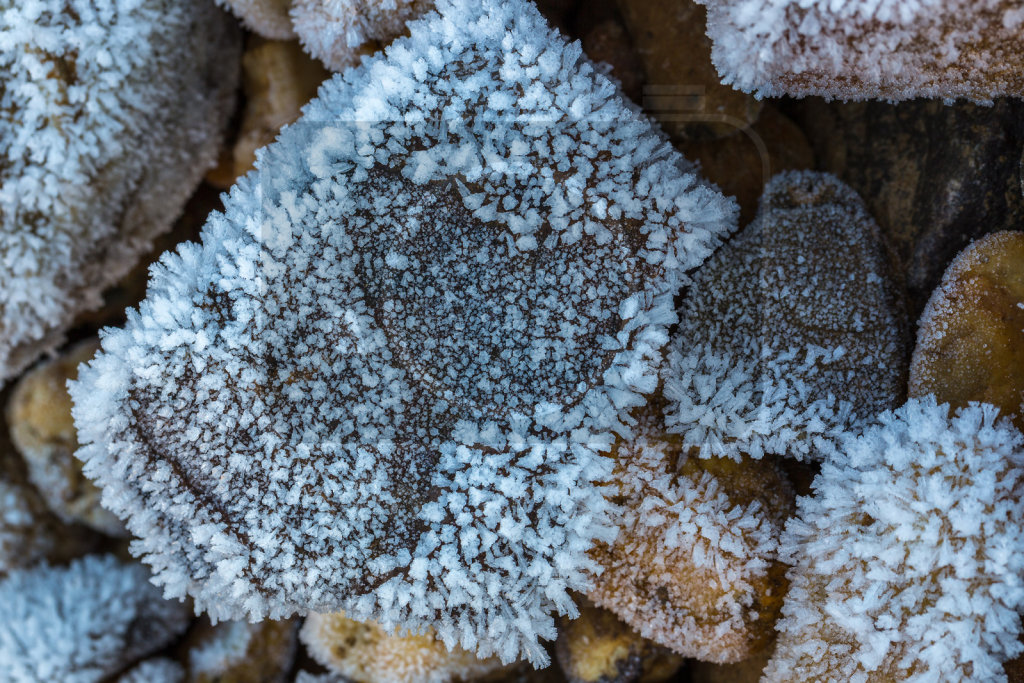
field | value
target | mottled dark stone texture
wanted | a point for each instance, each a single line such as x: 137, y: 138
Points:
x: 934, y: 176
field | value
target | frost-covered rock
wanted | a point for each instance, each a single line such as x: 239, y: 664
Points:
x: 112, y: 111
x: 382, y: 383
x: 907, y: 560
x: 694, y: 567
x: 793, y: 332
x: 862, y: 49
x: 366, y: 653
x: 84, y: 622
x: 29, y: 532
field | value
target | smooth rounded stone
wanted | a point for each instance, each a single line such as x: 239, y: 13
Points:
x: 742, y: 164
x: 934, y: 176
x: 597, y: 647
x: 684, y: 92
x: 240, y: 652
x: 366, y: 653
x: 43, y: 431
x: 278, y: 78
x: 970, y: 343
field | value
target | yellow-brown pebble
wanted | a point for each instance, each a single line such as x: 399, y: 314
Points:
x: 747, y: 671
x: 42, y: 430
x: 597, y: 647
x: 278, y: 78
x: 970, y: 343
x: 366, y: 653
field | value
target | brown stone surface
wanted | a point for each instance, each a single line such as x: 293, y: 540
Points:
x: 684, y: 91
x: 742, y: 164
x: 934, y: 176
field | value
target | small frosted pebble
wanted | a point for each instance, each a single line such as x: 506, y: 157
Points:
x: 906, y: 561
x: 870, y: 49
x: 365, y: 653
x: 970, y: 340
x: 84, y: 622
x: 241, y: 651
x: 694, y: 566
x: 793, y: 332
x: 113, y: 111
x: 43, y: 431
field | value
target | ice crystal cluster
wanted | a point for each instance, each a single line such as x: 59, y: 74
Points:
x: 792, y: 333
x: 382, y: 383
x: 112, y: 111
x: 694, y: 567
x: 907, y: 562
x: 864, y: 49
x: 84, y: 622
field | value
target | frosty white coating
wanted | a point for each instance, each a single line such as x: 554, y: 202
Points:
x: 111, y: 113
x: 907, y: 558
x: 84, y: 622
x: 792, y: 333
x: 337, y: 31
x: 864, y: 49
x: 381, y: 383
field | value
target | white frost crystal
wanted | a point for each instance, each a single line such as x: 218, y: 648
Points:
x: 792, y: 333
x: 907, y: 559
x: 268, y: 18
x: 862, y: 49
x: 84, y: 622
x: 112, y: 111
x: 382, y: 383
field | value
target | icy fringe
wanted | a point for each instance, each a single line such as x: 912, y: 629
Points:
x: 114, y: 113
x: 84, y: 622
x: 869, y: 49
x: 725, y: 407
x: 519, y: 504
x: 908, y: 556
x: 678, y: 516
